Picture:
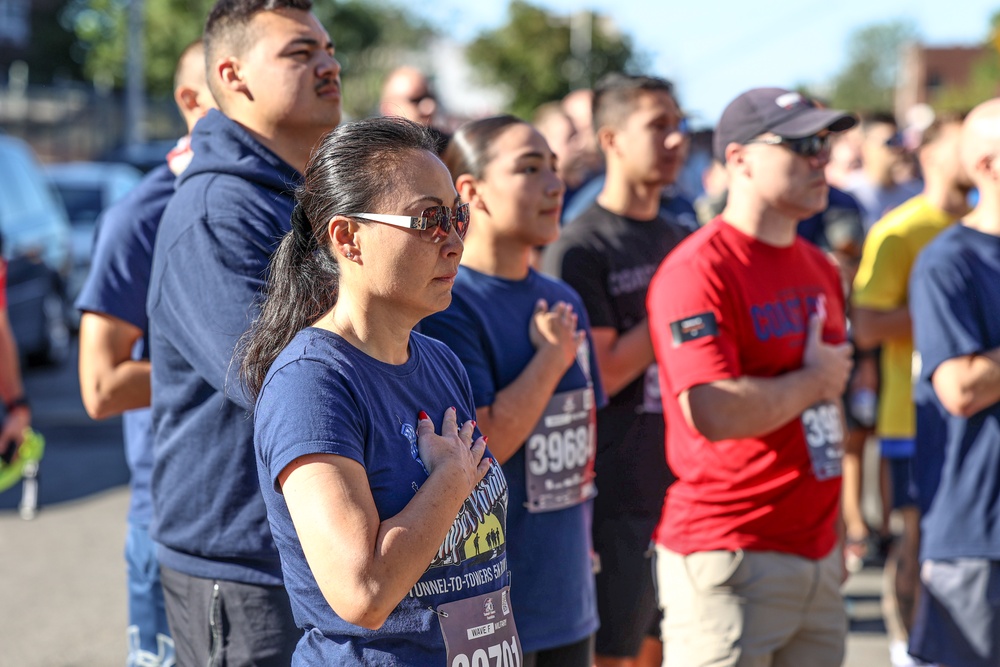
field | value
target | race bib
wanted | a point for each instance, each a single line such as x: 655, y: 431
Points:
x: 480, y: 631
x: 823, y: 426
x: 559, y: 455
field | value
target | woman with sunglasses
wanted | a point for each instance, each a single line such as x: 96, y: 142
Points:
x: 524, y: 341
x: 362, y: 490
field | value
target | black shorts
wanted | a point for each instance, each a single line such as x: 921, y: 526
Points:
x: 901, y: 480
x: 626, y: 593
x: 958, y: 615
x: 577, y: 654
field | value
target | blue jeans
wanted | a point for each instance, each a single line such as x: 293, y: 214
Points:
x: 149, y: 642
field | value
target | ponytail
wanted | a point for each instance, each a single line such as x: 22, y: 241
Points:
x: 301, y: 287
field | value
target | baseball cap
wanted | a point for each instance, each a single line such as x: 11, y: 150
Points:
x: 786, y: 113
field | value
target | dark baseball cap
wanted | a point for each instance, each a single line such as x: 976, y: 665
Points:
x: 786, y: 113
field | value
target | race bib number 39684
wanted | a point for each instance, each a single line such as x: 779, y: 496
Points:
x: 823, y: 426
x: 559, y: 455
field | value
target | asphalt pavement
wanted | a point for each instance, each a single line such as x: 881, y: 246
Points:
x: 62, y: 577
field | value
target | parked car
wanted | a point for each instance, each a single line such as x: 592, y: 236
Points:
x: 145, y: 156
x: 86, y: 189
x: 36, y: 243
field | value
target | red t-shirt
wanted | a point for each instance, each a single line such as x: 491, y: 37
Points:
x: 725, y: 305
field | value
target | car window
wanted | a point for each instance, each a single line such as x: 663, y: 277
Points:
x: 23, y: 189
x: 83, y: 203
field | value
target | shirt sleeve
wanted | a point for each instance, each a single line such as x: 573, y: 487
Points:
x: 306, y: 408
x: 692, y: 329
x: 118, y: 279
x: 945, y: 315
x: 881, y: 281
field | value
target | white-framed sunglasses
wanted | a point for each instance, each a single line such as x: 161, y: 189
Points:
x: 434, y: 223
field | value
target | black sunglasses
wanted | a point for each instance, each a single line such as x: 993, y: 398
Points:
x: 435, y: 223
x: 810, y: 146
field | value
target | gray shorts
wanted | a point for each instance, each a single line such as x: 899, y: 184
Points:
x: 958, y: 617
x: 751, y: 609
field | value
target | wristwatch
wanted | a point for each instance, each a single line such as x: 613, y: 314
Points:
x: 19, y: 402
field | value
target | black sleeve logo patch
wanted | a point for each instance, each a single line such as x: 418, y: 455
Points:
x: 693, y: 328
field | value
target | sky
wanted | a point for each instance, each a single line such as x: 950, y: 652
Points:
x: 714, y: 49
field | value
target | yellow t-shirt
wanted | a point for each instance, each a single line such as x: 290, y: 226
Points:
x: 882, y: 283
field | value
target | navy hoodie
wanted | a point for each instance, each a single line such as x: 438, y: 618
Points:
x: 232, y: 206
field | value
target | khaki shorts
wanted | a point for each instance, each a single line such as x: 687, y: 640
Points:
x: 750, y: 608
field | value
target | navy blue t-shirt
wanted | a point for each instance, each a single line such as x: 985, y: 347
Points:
x: 116, y: 285
x: 487, y: 326
x: 232, y: 207
x: 840, y: 223
x: 954, y: 301
x: 322, y: 395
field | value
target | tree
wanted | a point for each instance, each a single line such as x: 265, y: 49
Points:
x: 365, y: 33
x: 531, y: 55
x: 868, y: 81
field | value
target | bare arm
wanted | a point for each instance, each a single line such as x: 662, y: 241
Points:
x: 110, y: 380
x: 967, y: 384
x: 11, y: 388
x: 622, y: 358
x: 364, y: 567
x: 517, y: 407
x: 748, y: 407
x: 873, y: 327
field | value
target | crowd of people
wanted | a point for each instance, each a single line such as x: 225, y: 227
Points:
x: 396, y: 394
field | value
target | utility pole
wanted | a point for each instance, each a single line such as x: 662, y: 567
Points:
x: 135, y: 80
x: 581, y: 31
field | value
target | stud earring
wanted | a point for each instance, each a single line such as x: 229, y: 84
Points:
x: 350, y: 255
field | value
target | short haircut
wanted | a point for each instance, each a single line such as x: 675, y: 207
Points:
x: 942, y: 120
x: 193, y: 56
x: 870, y: 119
x: 615, y: 96
x: 227, y: 23
x: 548, y: 110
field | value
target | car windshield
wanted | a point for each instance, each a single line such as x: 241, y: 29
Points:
x: 83, y: 204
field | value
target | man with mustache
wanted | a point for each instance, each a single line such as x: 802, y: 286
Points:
x: 271, y: 68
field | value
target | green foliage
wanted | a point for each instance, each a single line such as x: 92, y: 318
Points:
x: 367, y: 35
x: 868, y: 81
x: 371, y: 39
x: 530, y: 56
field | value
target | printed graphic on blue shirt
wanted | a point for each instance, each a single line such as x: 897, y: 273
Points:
x: 477, y: 535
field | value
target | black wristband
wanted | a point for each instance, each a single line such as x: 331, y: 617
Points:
x: 19, y: 402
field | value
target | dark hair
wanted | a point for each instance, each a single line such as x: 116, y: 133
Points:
x: 869, y: 119
x: 615, y: 96
x: 469, y: 150
x: 227, y: 22
x: 349, y: 171
x: 942, y: 120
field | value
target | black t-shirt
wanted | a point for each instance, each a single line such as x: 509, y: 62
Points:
x: 609, y: 260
